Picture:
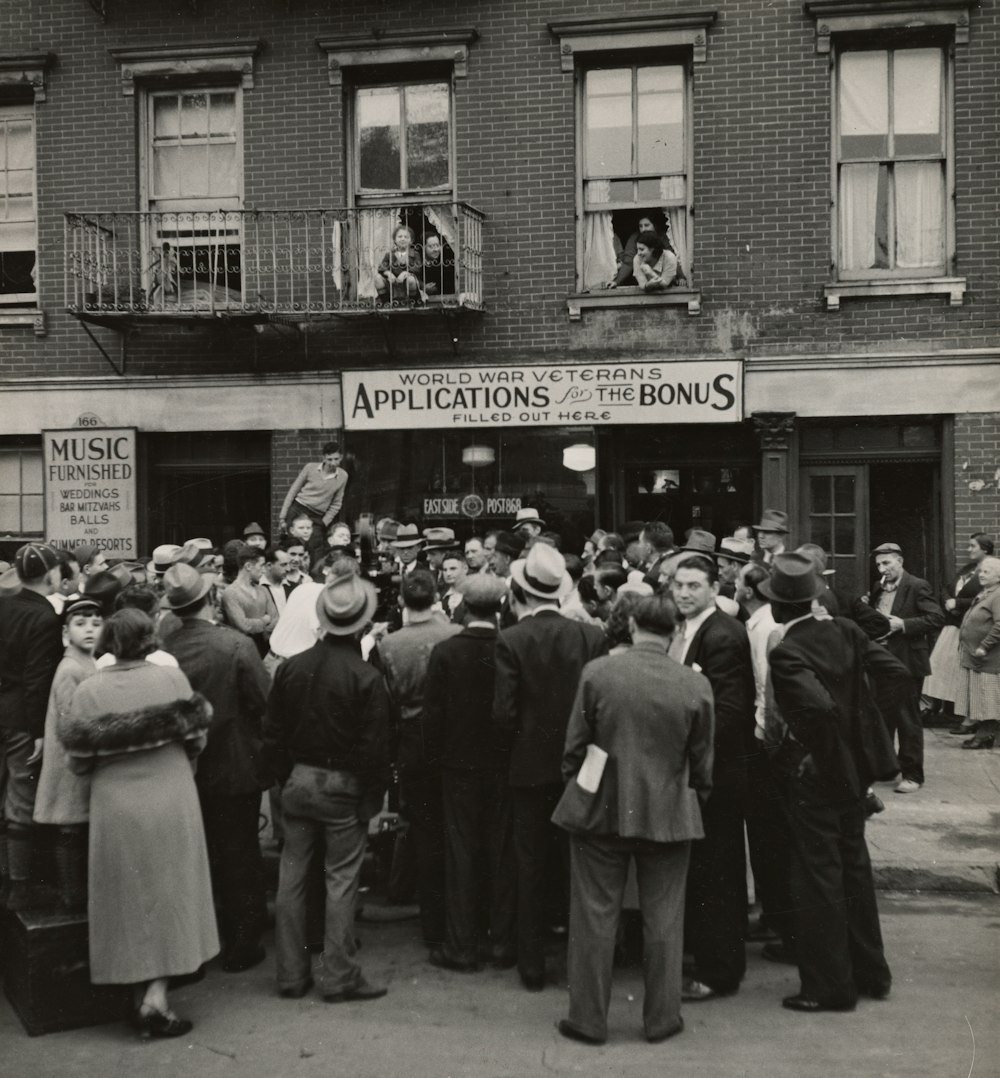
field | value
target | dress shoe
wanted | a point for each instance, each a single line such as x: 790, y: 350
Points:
x: 361, y: 992
x: 693, y: 991
x: 960, y: 728
x: 242, y: 958
x: 876, y: 991
x: 151, y: 1023
x: 907, y: 786
x: 296, y: 991
x: 534, y: 982
x: 567, y: 1029
x: 873, y: 804
x: 778, y: 952
x: 978, y: 742
x: 438, y: 958
x: 760, y: 931
x: 812, y: 1006
x: 659, y: 1038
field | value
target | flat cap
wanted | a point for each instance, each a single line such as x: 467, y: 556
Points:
x: 888, y: 548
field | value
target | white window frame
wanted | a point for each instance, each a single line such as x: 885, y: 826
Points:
x: 21, y: 300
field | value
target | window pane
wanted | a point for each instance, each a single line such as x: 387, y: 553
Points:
x: 843, y: 494
x: 609, y: 122
x: 821, y: 534
x: 31, y: 473
x: 165, y: 117
x: 621, y: 191
x: 222, y: 169
x: 843, y: 535
x: 819, y: 494
x: 661, y: 119
x: 10, y: 473
x: 166, y: 183
x: 650, y: 190
x: 192, y: 162
x: 864, y: 104
x: 222, y: 117
x: 20, y: 208
x: 10, y: 513
x: 919, y: 214
x: 20, y: 145
x: 427, y: 136
x: 378, y: 142
x: 20, y: 181
x: 194, y: 116
x: 916, y: 90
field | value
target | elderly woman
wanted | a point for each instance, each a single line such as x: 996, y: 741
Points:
x: 978, y: 694
x: 137, y: 727
x: 941, y: 684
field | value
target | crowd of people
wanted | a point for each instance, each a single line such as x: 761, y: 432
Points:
x: 577, y: 742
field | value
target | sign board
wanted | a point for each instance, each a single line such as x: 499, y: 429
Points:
x: 443, y: 506
x: 544, y: 395
x: 90, y: 488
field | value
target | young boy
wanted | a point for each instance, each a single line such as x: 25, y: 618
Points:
x: 63, y: 798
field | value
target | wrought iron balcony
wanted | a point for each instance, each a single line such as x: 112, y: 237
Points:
x: 262, y: 263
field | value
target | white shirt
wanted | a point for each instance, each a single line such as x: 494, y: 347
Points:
x: 277, y: 594
x: 760, y: 625
x: 298, y: 627
x: 691, y: 626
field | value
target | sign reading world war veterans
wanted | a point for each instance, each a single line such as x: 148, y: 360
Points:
x: 544, y: 395
x: 90, y: 481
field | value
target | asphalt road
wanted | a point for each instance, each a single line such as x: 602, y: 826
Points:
x: 941, y: 1020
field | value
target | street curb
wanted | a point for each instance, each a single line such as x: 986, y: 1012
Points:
x: 957, y: 878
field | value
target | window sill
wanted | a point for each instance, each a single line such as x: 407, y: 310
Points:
x: 632, y: 297
x: 24, y: 316
x: 953, y: 287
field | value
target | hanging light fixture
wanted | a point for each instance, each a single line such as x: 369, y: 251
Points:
x: 477, y: 456
x: 580, y: 457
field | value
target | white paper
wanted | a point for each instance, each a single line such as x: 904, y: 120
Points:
x: 589, y: 776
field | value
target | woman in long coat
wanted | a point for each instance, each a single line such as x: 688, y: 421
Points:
x: 138, y: 727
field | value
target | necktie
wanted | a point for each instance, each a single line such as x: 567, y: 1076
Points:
x: 676, y: 649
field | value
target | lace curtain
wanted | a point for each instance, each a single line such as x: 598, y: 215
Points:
x: 858, y: 210
x: 599, y: 259
x: 919, y: 215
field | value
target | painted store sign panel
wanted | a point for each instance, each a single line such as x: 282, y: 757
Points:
x: 709, y: 391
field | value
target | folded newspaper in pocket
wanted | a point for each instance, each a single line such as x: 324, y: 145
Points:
x: 589, y: 776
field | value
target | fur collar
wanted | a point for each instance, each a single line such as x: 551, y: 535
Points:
x: 132, y: 731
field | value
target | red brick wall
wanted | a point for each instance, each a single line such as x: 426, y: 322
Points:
x: 977, y: 457
x: 761, y: 130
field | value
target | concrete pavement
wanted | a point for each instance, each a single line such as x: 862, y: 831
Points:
x: 945, y: 837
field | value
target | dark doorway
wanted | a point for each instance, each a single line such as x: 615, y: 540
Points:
x: 902, y: 500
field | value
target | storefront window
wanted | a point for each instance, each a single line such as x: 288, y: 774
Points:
x: 472, y: 482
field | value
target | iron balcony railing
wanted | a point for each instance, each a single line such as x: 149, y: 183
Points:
x: 284, y: 262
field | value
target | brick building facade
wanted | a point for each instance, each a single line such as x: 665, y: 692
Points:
x: 840, y: 257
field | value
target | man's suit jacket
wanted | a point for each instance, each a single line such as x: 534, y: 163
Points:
x: 654, y: 718
x: 458, y: 701
x: 818, y: 675
x: 539, y: 662
x: 223, y: 665
x: 914, y: 602
x: 31, y: 649
x: 721, y: 648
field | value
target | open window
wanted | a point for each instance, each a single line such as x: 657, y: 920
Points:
x: 18, y: 215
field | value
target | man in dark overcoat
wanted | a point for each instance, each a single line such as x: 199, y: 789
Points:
x: 823, y: 674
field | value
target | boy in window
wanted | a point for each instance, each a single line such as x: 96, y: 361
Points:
x: 399, y: 273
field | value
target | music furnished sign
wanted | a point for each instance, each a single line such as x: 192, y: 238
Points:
x: 544, y: 395
x: 90, y: 489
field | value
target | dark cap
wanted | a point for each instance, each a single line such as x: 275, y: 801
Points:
x: 84, y: 605
x: 33, y: 560
x: 510, y: 543
x: 888, y: 548
x: 253, y: 528
x: 84, y: 554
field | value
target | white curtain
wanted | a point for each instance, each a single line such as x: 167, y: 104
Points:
x: 858, y: 209
x: 919, y: 215
x: 337, y: 255
x: 599, y: 259
x: 446, y: 223
x: 374, y: 239
x: 673, y: 187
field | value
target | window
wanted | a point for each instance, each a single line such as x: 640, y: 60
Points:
x: 635, y: 167
x: 892, y: 163
x: 18, y: 222
x: 403, y: 139
x: 21, y: 493
x: 193, y: 178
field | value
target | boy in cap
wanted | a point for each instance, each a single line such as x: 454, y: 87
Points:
x: 31, y: 648
x: 63, y: 797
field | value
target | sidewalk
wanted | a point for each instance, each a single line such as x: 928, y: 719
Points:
x: 945, y: 837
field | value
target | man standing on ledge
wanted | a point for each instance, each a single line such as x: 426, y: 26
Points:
x: 319, y: 491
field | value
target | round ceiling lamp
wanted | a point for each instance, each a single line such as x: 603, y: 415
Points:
x: 477, y: 456
x: 580, y: 457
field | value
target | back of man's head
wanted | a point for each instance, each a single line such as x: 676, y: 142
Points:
x: 658, y: 536
x: 655, y: 614
x: 574, y: 566
x: 418, y: 590
x: 753, y: 576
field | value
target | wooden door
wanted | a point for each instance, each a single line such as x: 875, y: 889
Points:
x: 834, y: 514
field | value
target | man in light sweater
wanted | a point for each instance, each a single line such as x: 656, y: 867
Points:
x: 318, y: 491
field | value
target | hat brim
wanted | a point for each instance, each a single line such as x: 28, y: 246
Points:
x: 408, y: 542
x: 442, y: 546
x: 565, y: 585
x: 769, y: 528
x: 732, y: 555
x: 528, y: 520
x: 204, y: 585
x: 766, y: 588
x: 698, y: 550
x: 365, y: 615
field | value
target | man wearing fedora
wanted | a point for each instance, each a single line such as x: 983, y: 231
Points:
x: 438, y: 543
x: 716, y: 644
x: 224, y: 666
x: 254, y: 535
x: 407, y: 547
x: 528, y: 524
x: 402, y: 657
x: 539, y: 661
x: 733, y: 555
x: 914, y: 619
x: 772, y: 534
x: 326, y: 737
x: 31, y: 649
x: 823, y: 672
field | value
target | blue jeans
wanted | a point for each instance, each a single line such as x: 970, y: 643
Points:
x: 319, y: 807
